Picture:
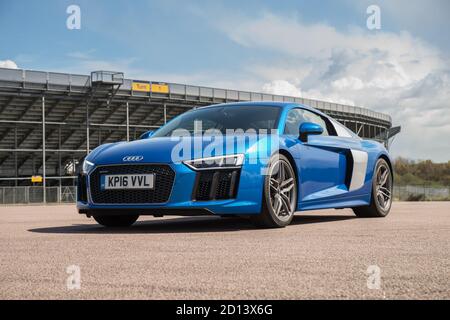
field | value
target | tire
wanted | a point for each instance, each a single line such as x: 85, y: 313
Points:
x: 381, y: 199
x: 114, y: 221
x: 279, y: 194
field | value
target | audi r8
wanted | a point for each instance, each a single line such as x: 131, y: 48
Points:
x: 263, y: 160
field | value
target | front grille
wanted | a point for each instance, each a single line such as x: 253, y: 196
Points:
x: 216, y: 184
x: 82, y: 188
x: 164, y: 178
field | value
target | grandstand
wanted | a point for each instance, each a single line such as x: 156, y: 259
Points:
x: 49, y: 121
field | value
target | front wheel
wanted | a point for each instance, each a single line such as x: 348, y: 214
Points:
x: 382, y: 184
x: 116, y: 221
x: 279, y: 194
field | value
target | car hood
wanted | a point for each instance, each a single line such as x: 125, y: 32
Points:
x: 173, y: 150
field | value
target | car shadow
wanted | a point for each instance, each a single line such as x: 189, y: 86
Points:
x: 184, y: 225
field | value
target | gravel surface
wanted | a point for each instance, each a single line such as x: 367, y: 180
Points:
x: 323, y: 254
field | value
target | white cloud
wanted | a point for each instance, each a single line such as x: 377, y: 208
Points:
x: 282, y: 87
x: 8, y: 64
x: 394, y: 73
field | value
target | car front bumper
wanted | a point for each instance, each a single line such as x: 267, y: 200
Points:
x: 246, y: 198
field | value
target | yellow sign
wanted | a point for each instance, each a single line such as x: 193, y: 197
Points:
x: 36, y: 178
x: 141, y: 86
x: 147, y: 87
x: 160, y: 87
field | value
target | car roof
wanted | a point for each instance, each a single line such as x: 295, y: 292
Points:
x: 284, y: 105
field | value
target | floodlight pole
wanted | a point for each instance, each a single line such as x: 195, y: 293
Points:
x: 165, y: 113
x: 128, y: 122
x: 87, y: 129
x: 16, y: 170
x: 44, y: 181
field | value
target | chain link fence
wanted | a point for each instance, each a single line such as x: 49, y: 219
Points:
x: 68, y: 194
x: 421, y: 193
x: 32, y: 195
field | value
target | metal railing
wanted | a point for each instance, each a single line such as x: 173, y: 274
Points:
x: 78, y: 83
x: 421, y: 193
x: 68, y: 194
x: 35, y: 195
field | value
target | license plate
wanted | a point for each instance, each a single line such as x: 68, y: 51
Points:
x: 127, y: 181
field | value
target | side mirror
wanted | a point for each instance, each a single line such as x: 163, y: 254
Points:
x: 147, y: 134
x: 307, y: 128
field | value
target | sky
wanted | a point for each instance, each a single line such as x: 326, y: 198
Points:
x: 313, y: 49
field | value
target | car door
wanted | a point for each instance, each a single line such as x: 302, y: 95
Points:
x: 323, y: 159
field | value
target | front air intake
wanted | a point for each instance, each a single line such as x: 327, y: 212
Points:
x: 216, y: 184
x: 82, y: 188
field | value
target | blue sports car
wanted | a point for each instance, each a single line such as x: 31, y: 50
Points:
x: 264, y: 160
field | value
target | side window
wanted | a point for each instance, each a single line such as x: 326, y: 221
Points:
x: 293, y: 121
x: 315, y: 118
x: 296, y: 117
x: 343, y: 131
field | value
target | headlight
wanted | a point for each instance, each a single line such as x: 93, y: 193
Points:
x: 87, y: 166
x: 220, y: 162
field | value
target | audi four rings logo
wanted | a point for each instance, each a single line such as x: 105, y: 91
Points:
x: 133, y: 158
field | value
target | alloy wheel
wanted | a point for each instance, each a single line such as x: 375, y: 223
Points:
x: 383, y: 187
x: 283, y: 189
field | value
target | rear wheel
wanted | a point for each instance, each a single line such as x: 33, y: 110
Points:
x: 116, y: 221
x: 279, y: 195
x: 381, y: 201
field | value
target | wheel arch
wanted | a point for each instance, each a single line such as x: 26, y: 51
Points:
x: 288, y: 155
x: 389, y: 162
x: 291, y: 160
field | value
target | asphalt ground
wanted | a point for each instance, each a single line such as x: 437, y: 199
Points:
x: 323, y: 254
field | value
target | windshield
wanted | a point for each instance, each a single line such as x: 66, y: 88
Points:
x: 222, y: 118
